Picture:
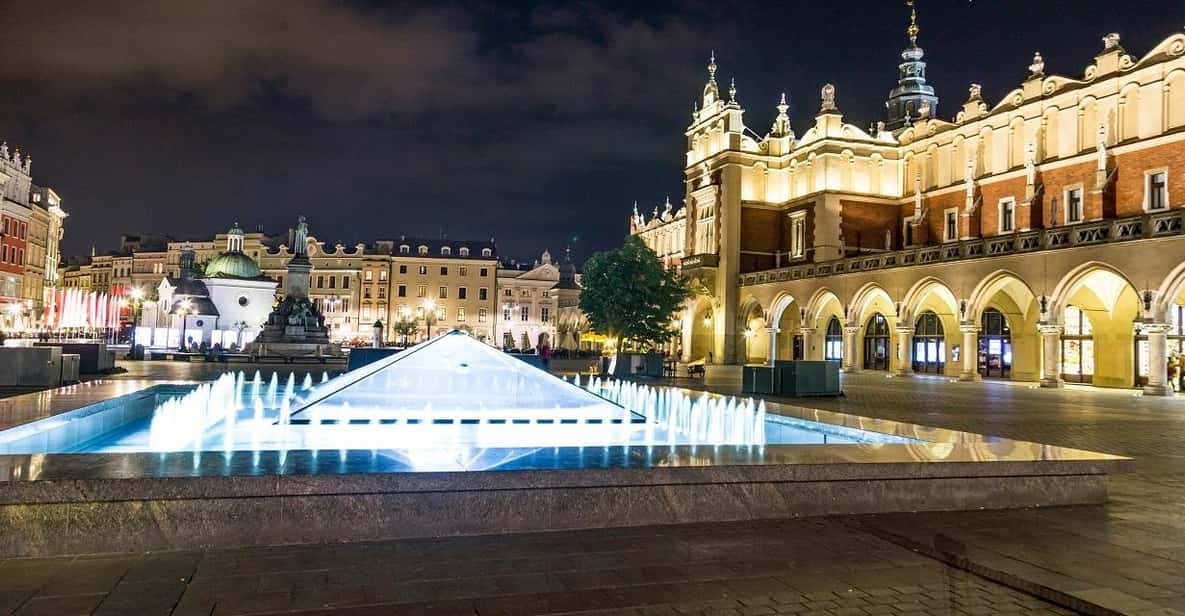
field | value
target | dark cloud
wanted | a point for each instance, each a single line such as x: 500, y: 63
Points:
x: 530, y: 122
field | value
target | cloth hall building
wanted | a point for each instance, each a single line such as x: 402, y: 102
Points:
x: 1039, y: 237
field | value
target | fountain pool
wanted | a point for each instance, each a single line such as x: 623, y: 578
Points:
x: 453, y: 437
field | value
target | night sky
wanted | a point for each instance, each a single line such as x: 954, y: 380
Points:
x: 531, y: 123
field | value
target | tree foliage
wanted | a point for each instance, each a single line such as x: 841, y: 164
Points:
x: 627, y: 294
x: 404, y: 327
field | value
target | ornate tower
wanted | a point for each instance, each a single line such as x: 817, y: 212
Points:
x: 912, y: 97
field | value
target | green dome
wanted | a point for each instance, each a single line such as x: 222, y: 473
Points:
x: 232, y: 265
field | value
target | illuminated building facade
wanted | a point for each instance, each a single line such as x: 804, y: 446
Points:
x: 31, y: 226
x: 539, y: 300
x: 1017, y: 240
x: 353, y: 287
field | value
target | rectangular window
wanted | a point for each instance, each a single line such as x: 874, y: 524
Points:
x: 952, y: 224
x: 1074, y: 205
x: 798, y: 235
x: 365, y: 292
x: 402, y: 270
x: 463, y: 271
x: 421, y: 290
x: 461, y: 293
x: 525, y: 293
x: 369, y: 275
x: 444, y: 270
x: 441, y: 313
x: 346, y: 281
x: 508, y: 293
x: 345, y: 304
x: 366, y: 312
x: 1007, y: 215
x: 443, y: 293
x: 402, y: 290
x: 544, y: 314
x: 484, y: 272
x: 460, y: 314
x: 482, y: 315
x: 333, y: 282
x: 382, y: 292
x: 1157, y: 196
x: 320, y: 282
x: 524, y: 313
x: 423, y: 270
x: 506, y: 313
x: 481, y: 293
x: 383, y: 273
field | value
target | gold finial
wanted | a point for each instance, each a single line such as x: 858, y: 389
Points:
x: 913, y: 21
x: 712, y: 66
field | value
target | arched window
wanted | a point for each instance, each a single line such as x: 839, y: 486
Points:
x: 929, y: 344
x: 404, y: 249
x: 876, y: 343
x: 1077, y: 346
x: 423, y: 250
x: 485, y: 252
x: 995, y: 345
x: 446, y: 251
x: 833, y: 341
x: 464, y: 252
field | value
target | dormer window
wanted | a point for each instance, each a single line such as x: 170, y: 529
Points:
x: 464, y: 252
x: 485, y: 252
x: 423, y: 250
x: 404, y: 249
x: 445, y: 251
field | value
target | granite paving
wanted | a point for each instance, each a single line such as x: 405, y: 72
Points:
x: 1126, y: 557
x: 813, y: 566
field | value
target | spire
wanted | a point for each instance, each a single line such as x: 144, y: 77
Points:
x: 711, y: 90
x: 912, y: 92
x: 913, y: 29
x: 781, y: 127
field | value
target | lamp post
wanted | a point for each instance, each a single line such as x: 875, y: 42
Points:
x: 183, y: 310
x: 429, y: 307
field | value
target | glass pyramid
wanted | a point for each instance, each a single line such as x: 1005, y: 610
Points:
x: 453, y: 379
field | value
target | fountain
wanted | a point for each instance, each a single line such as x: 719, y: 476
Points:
x: 397, y: 448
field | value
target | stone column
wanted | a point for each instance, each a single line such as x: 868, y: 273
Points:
x: 1051, y: 341
x: 970, y: 356
x: 849, y: 348
x: 808, y: 339
x: 1157, y: 361
x: 773, y: 344
x: 904, y: 351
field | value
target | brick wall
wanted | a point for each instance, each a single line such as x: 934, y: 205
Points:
x: 1129, y: 181
x: 863, y: 224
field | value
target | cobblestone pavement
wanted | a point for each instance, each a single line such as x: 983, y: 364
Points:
x: 817, y: 566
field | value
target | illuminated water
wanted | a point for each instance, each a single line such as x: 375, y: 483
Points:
x: 451, y: 394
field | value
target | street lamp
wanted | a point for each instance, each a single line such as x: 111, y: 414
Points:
x: 137, y: 306
x: 183, y: 310
x: 429, y: 307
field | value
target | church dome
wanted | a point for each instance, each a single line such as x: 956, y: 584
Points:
x: 232, y: 265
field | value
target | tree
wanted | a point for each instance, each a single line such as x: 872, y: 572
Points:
x: 405, y: 327
x: 627, y: 294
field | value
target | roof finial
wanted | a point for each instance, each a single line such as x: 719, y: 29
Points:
x: 732, y: 90
x: 913, y: 29
x: 712, y: 65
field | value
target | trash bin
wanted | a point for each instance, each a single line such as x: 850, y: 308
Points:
x: 137, y: 352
